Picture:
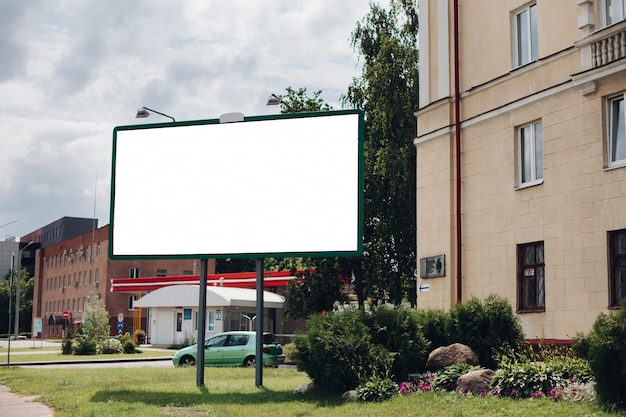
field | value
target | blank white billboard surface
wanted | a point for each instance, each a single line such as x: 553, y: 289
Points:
x: 281, y: 186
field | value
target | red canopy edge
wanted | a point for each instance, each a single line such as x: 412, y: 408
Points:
x: 236, y: 279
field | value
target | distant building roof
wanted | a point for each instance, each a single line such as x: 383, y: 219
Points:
x: 188, y: 296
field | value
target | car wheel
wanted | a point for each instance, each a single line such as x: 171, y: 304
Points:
x: 187, y: 361
x: 249, y: 362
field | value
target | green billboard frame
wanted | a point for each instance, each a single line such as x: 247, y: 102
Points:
x: 288, y: 185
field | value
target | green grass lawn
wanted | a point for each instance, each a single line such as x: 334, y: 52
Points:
x: 54, y: 354
x: 230, y: 392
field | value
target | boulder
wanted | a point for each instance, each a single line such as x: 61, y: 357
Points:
x: 476, y: 382
x: 350, y: 395
x: 304, y: 388
x: 449, y: 355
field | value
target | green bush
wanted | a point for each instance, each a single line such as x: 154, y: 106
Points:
x: 605, y: 349
x: 67, y: 345
x: 337, y: 351
x: 377, y: 389
x: 446, y: 378
x: 85, y: 345
x: 109, y: 346
x: 485, y: 327
x: 526, y: 379
x: 129, y: 346
x: 398, y: 331
x: 435, y: 324
x: 290, y: 352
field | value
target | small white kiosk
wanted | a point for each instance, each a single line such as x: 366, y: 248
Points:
x: 173, y: 312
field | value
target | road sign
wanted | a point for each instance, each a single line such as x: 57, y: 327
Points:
x: 424, y: 288
x: 66, y: 315
x: 120, y: 325
x: 120, y: 317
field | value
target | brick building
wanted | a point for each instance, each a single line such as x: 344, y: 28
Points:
x: 70, y: 273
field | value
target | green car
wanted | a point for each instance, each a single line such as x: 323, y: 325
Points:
x: 233, y: 349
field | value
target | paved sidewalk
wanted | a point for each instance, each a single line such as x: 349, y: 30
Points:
x: 13, y: 405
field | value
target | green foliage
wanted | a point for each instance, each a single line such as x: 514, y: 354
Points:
x: 398, y: 331
x: 96, y: 320
x: 139, y: 336
x: 605, y: 349
x: 26, y: 301
x: 128, y: 344
x: 130, y: 347
x: 337, y: 351
x: 526, y: 379
x: 485, y: 327
x: 376, y: 389
x: 85, y: 345
x: 296, y: 101
x: 549, y: 370
x: 95, y: 326
x: 314, y: 292
x: 290, y: 352
x: 67, y: 346
x: 446, y: 378
x: 435, y: 324
x: 387, y: 91
x: 109, y: 346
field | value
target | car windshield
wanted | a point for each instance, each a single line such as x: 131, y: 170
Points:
x: 268, y: 339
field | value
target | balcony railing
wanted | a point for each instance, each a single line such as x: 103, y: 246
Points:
x: 603, y: 46
x: 607, y: 50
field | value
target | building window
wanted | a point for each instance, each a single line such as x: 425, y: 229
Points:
x: 133, y: 273
x: 531, y: 277
x: 613, y: 11
x: 526, y: 34
x: 617, y: 267
x: 530, y: 151
x: 161, y: 272
x: 617, y: 133
x: 131, y: 302
x: 187, y: 272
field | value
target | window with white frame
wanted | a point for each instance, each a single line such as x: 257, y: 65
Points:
x: 530, y: 151
x: 613, y: 11
x: 616, y: 134
x: 526, y: 35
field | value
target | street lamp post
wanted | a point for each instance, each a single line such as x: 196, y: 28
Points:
x: 10, y: 292
x: 274, y: 100
x: 144, y: 112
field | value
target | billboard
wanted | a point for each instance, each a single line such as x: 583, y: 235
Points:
x: 269, y: 186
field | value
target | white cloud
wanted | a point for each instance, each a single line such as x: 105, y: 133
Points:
x: 72, y: 70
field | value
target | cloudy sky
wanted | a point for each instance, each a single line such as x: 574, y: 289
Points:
x: 72, y: 70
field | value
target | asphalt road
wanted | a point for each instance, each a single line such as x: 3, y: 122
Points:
x: 40, y: 347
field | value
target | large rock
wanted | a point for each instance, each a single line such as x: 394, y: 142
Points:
x: 476, y: 382
x: 450, y: 355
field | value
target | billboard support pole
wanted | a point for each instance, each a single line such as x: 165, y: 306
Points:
x: 259, y: 322
x: 201, y: 322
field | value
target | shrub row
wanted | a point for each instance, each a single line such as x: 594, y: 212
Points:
x: 348, y: 347
x: 605, y: 349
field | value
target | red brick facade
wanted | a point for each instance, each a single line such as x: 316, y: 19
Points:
x: 67, y: 277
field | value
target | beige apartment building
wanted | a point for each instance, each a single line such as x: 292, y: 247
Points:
x: 521, y: 158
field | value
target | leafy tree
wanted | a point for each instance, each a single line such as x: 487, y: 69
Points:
x: 297, y: 101
x: 26, y: 301
x: 96, y: 320
x: 315, y: 290
x: 387, y: 91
